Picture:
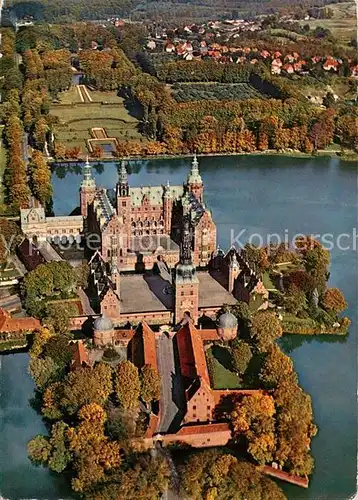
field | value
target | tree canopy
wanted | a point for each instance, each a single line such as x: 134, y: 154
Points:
x: 266, y: 328
x: 127, y: 385
x: 212, y: 474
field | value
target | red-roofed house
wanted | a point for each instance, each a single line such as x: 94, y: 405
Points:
x: 169, y: 48
x: 80, y: 357
x: 331, y: 64
x: 276, y: 66
x: 8, y: 324
x: 288, y: 68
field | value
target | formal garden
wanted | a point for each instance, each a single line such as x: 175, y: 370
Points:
x: 74, y: 119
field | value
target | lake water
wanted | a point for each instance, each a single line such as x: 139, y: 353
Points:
x: 260, y: 195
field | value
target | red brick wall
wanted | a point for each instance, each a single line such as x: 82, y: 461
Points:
x: 200, y: 407
x: 187, y: 300
x: 110, y: 305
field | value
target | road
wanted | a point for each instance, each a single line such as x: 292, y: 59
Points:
x: 166, y: 366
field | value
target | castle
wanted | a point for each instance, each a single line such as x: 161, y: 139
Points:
x: 152, y: 252
x: 138, y: 224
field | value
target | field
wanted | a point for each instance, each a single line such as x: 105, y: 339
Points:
x: 343, y: 23
x: 215, y: 91
x: 221, y: 369
x: 102, y: 109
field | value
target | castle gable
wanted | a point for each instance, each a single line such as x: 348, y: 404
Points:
x: 32, y: 215
x: 153, y: 194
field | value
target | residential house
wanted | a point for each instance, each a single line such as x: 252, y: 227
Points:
x: 331, y: 64
x: 169, y: 47
x: 288, y: 68
x: 276, y: 66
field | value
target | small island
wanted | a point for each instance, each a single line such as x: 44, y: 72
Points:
x: 138, y: 369
x: 157, y: 356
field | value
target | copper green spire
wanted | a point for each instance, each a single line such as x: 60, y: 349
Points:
x: 88, y: 180
x: 194, y: 176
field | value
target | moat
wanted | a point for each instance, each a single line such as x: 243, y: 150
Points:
x: 259, y: 195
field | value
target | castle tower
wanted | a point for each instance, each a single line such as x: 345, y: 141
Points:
x: 234, y: 271
x: 87, y: 189
x: 195, y: 182
x: 186, y: 282
x: 114, y: 272
x: 167, y: 208
x: 124, y: 205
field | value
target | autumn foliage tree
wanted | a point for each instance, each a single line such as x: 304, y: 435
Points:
x: 253, y: 418
x: 93, y: 453
x: 84, y: 386
x: 149, y: 384
x: 127, y: 385
x: 241, y: 356
x: 40, y: 178
x: 211, y: 474
x: 294, y: 428
x: 333, y: 300
x: 277, y: 367
x: 266, y: 328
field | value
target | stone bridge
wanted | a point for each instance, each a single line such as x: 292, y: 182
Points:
x: 37, y: 227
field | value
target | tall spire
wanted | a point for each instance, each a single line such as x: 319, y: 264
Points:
x: 186, y: 242
x: 194, y: 176
x: 167, y: 193
x: 88, y: 180
x: 122, y: 185
x: 123, y: 175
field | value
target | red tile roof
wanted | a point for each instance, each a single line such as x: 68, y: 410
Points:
x: 203, y: 429
x: 150, y: 352
x: 123, y: 335
x: 8, y: 324
x: 191, y: 353
x: 80, y: 355
x: 209, y: 334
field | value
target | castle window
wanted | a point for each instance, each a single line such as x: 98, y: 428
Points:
x: 124, y: 203
x: 194, y: 416
x: 209, y: 407
x: 182, y: 293
x: 194, y: 407
x: 191, y: 292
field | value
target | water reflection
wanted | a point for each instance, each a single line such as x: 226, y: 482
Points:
x: 291, y: 342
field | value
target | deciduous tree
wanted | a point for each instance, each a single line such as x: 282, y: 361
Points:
x: 149, y: 384
x: 277, y: 367
x: 127, y: 385
x: 241, y: 355
x: 333, y: 300
x: 265, y: 329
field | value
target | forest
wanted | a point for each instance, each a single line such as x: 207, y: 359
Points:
x: 73, y: 10
x: 224, y: 117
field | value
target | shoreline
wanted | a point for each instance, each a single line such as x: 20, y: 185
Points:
x: 291, y: 154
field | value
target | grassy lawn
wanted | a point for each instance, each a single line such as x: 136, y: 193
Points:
x: 70, y: 96
x: 299, y: 321
x: 221, y: 374
x: 76, y: 120
x: 343, y: 23
x: 110, y: 97
x: 267, y: 281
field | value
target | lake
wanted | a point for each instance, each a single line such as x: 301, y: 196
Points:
x: 252, y: 196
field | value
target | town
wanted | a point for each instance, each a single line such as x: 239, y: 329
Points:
x: 158, y: 356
